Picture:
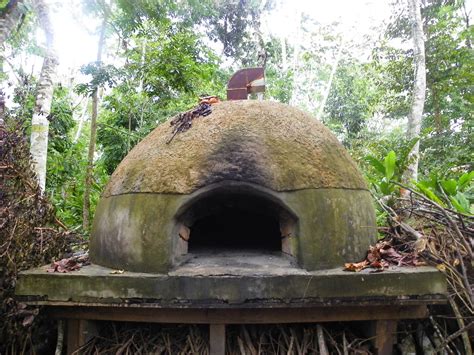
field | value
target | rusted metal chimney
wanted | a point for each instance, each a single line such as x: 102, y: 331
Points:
x: 244, y: 82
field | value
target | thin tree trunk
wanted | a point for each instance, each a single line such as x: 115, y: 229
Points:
x: 90, y: 156
x: 419, y: 89
x: 327, y: 89
x: 296, y: 42
x: 44, y: 97
x: 142, y: 63
x: 467, y: 22
x: 81, y: 120
x: 10, y: 18
x: 284, y: 60
x: 297, y: 39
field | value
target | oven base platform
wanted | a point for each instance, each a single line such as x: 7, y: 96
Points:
x: 198, y: 293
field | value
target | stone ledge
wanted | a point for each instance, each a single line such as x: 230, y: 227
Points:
x: 94, y: 284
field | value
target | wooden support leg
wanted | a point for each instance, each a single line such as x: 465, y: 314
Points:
x: 385, y: 333
x: 79, y: 331
x: 217, y: 339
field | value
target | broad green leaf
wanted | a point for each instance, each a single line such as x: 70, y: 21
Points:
x: 456, y: 204
x: 460, y: 202
x: 389, y: 164
x: 429, y: 193
x: 465, y: 179
x: 385, y: 187
x: 377, y: 164
x: 449, y: 186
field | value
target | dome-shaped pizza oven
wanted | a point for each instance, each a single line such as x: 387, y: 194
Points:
x: 253, y: 175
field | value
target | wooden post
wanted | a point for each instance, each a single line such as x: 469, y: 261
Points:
x: 217, y: 339
x: 79, y: 331
x: 384, y: 336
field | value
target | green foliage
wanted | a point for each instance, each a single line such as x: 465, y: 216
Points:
x: 449, y: 104
x: 168, y: 63
x: 102, y: 75
x: 172, y: 63
x: 22, y: 39
x: 457, y: 194
x: 279, y: 84
x: 132, y: 14
x: 352, y: 100
x: 385, y: 169
x: 392, y: 77
x: 235, y: 25
x: 125, y: 119
x: 447, y: 126
x: 383, y: 166
x: 24, y: 97
x: 128, y: 115
x: 61, y: 120
x: 66, y: 161
x: 279, y: 80
x: 167, y: 70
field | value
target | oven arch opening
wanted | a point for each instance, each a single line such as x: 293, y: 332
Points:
x: 236, y: 220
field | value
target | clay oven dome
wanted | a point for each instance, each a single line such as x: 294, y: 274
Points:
x: 253, y: 174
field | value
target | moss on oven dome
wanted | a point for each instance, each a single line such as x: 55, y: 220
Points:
x: 266, y: 143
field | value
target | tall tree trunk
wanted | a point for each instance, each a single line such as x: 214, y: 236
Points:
x: 81, y: 120
x: 419, y: 89
x: 284, y: 60
x: 44, y: 97
x: 327, y: 89
x: 90, y: 158
x: 467, y: 22
x: 297, y: 39
x: 10, y: 18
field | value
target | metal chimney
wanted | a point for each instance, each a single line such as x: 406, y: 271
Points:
x: 244, y: 82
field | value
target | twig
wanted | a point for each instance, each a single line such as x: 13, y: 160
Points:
x: 440, y: 334
x: 461, y: 325
x: 345, y: 348
x: 443, y: 211
x: 323, y: 350
x: 60, y: 342
x: 61, y: 224
x: 454, y: 336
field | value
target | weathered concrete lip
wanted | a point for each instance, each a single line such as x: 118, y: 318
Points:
x: 95, y: 284
x: 227, y: 262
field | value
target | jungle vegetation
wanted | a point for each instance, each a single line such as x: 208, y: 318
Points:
x: 399, y: 99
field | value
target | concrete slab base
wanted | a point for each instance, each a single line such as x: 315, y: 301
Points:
x: 229, y: 286
x: 246, y: 289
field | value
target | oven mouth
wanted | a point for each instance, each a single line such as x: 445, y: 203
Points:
x: 235, y: 220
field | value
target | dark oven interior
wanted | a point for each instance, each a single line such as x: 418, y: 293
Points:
x: 237, y: 221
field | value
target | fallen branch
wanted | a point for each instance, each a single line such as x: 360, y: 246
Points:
x: 443, y: 211
x: 444, y: 238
